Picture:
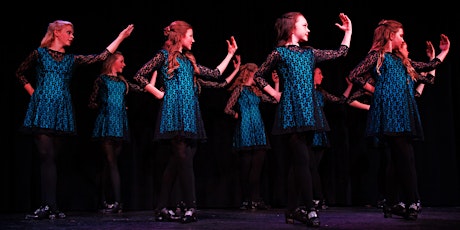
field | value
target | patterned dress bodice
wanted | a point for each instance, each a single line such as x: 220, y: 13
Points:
x: 180, y: 113
x: 50, y: 109
x: 50, y: 105
x: 296, y: 110
x: 250, y: 129
x: 109, y: 95
x: 393, y: 109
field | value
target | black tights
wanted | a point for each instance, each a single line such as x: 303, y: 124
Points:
x: 401, y: 173
x: 111, y: 149
x: 48, y: 147
x: 299, y: 175
x: 250, y: 165
x: 180, y: 166
x: 315, y: 161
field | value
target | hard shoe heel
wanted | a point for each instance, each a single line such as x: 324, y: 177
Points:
x: 412, y: 212
x: 399, y: 209
x: 296, y: 215
x: 189, y: 216
x: 260, y: 205
x: 166, y: 215
x: 43, y: 212
x: 113, y: 208
x: 313, y: 219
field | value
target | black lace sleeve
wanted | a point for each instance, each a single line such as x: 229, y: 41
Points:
x: 229, y: 108
x: 93, y: 98
x: 425, y: 66
x: 135, y: 87
x: 358, y: 96
x: 92, y: 58
x: 361, y: 72
x: 426, y: 78
x: 212, y: 84
x: 323, y: 55
x: 267, y: 98
x: 27, y: 65
x: 328, y: 97
x: 144, y: 74
x: 208, y: 72
x: 266, y: 69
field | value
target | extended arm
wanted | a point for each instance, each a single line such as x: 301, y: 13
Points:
x: 123, y: 34
x: 346, y: 27
x: 232, y: 47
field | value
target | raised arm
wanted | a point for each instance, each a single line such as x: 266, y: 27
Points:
x: 346, y: 27
x: 444, y: 45
x: 123, y: 34
x: 430, y: 53
x: 236, y: 68
x: 232, y: 47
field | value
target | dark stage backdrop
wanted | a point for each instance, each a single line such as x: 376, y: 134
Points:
x: 350, y: 169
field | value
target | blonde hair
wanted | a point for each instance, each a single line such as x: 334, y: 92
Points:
x: 381, y: 39
x: 245, y: 72
x: 53, y: 26
x: 107, y: 67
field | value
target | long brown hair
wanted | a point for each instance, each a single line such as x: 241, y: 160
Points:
x: 406, y: 61
x: 284, y: 26
x: 173, y: 34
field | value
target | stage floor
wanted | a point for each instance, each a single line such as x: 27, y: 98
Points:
x: 333, y: 218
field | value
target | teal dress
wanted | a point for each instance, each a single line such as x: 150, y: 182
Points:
x: 50, y: 108
x: 250, y: 130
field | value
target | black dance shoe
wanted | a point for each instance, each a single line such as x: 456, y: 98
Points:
x: 245, y: 205
x: 412, y: 212
x: 399, y: 209
x: 189, y: 216
x: 44, y: 212
x: 113, y: 208
x: 297, y: 215
x: 387, y: 212
x: 260, y: 205
x: 313, y: 219
x: 419, y: 206
x: 56, y: 214
x: 166, y: 215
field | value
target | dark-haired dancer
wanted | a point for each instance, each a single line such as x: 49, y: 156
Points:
x: 296, y: 115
